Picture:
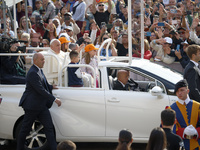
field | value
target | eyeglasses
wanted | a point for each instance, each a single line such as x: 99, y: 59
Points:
x: 86, y: 42
x: 105, y: 39
x: 181, y: 32
x: 68, y: 30
x: 101, y: 5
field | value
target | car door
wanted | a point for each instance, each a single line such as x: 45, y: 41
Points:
x: 82, y: 113
x: 137, y: 111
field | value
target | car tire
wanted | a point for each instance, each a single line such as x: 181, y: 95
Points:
x: 36, y: 140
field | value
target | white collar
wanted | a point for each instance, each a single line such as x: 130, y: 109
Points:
x: 196, y: 64
x: 121, y: 83
x: 37, y: 67
x: 187, y: 100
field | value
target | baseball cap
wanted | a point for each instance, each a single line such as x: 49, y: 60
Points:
x: 68, y: 28
x: 63, y: 40
x: 168, y: 40
x: 90, y: 47
x: 68, y: 13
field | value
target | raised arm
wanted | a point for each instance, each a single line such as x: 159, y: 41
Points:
x: 94, y: 7
x: 109, y: 6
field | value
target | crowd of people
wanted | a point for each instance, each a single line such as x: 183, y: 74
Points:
x: 70, y: 28
x: 169, y: 28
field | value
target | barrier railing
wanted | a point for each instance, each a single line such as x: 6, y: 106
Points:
x: 74, y: 66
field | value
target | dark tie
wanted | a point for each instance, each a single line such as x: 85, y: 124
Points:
x: 44, y: 80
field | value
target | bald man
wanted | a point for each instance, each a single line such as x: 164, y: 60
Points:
x: 36, y: 101
x: 123, y: 82
x: 55, y: 62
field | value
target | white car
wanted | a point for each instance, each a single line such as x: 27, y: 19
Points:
x: 97, y: 114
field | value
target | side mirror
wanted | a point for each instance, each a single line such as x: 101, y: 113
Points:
x: 157, y: 91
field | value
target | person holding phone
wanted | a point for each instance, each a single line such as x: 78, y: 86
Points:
x: 163, y: 48
x: 101, y: 15
x: 180, y: 53
x: 69, y: 21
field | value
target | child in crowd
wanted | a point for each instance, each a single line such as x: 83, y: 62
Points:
x: 73, y: 79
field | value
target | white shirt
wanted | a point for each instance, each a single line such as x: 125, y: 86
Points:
x: 187, y: 100
x: 196, y: 64
x: 121, y: 83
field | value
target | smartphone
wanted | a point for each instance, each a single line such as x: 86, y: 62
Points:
x: 178, y: 47
x: 148, y: 34
x: 103, y: 24
x: 161, y: 24
x: 147, y: 5
x: 117, y: 28
x: 173, y: 11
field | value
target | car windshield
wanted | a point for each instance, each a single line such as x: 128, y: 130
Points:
x: 157, y: 70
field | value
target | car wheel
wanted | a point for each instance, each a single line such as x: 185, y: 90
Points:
x: 36, y: 140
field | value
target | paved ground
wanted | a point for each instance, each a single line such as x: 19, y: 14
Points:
x: 84, y: 146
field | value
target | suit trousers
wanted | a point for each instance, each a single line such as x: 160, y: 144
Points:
x: 44, y: 117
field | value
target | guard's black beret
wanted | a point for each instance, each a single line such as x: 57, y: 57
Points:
x: 181, y: 83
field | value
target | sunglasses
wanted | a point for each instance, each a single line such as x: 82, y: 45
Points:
x: 86, y: 42
x: 101, y: 5
x: 105, y: 39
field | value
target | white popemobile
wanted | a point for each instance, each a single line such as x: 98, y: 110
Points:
x: 91, y: 114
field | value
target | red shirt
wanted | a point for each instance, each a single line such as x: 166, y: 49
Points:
x: 147, y: 54
x: 40, y: 30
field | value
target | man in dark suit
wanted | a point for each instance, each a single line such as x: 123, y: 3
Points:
x: 192, y: 72
x: 35, y: 101
x: 168, y: 119
x: 123, y: 82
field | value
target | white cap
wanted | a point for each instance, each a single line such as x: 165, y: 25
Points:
x: 168, y: 40
x: 68, y: 28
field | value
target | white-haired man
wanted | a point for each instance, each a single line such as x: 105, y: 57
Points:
x: 55, y: 60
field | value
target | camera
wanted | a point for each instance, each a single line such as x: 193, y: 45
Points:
x: 5, y: 45
x: 67, y: 17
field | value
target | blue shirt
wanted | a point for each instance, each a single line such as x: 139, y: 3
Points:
x: 72, y: 78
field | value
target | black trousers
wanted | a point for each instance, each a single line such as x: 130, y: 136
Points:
x: 44, y: 117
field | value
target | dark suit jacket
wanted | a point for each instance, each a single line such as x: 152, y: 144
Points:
x: 36, y: 96
x: 192, y: 75
x: 118, y: 86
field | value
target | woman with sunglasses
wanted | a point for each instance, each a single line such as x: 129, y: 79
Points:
x: 112, y: 50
